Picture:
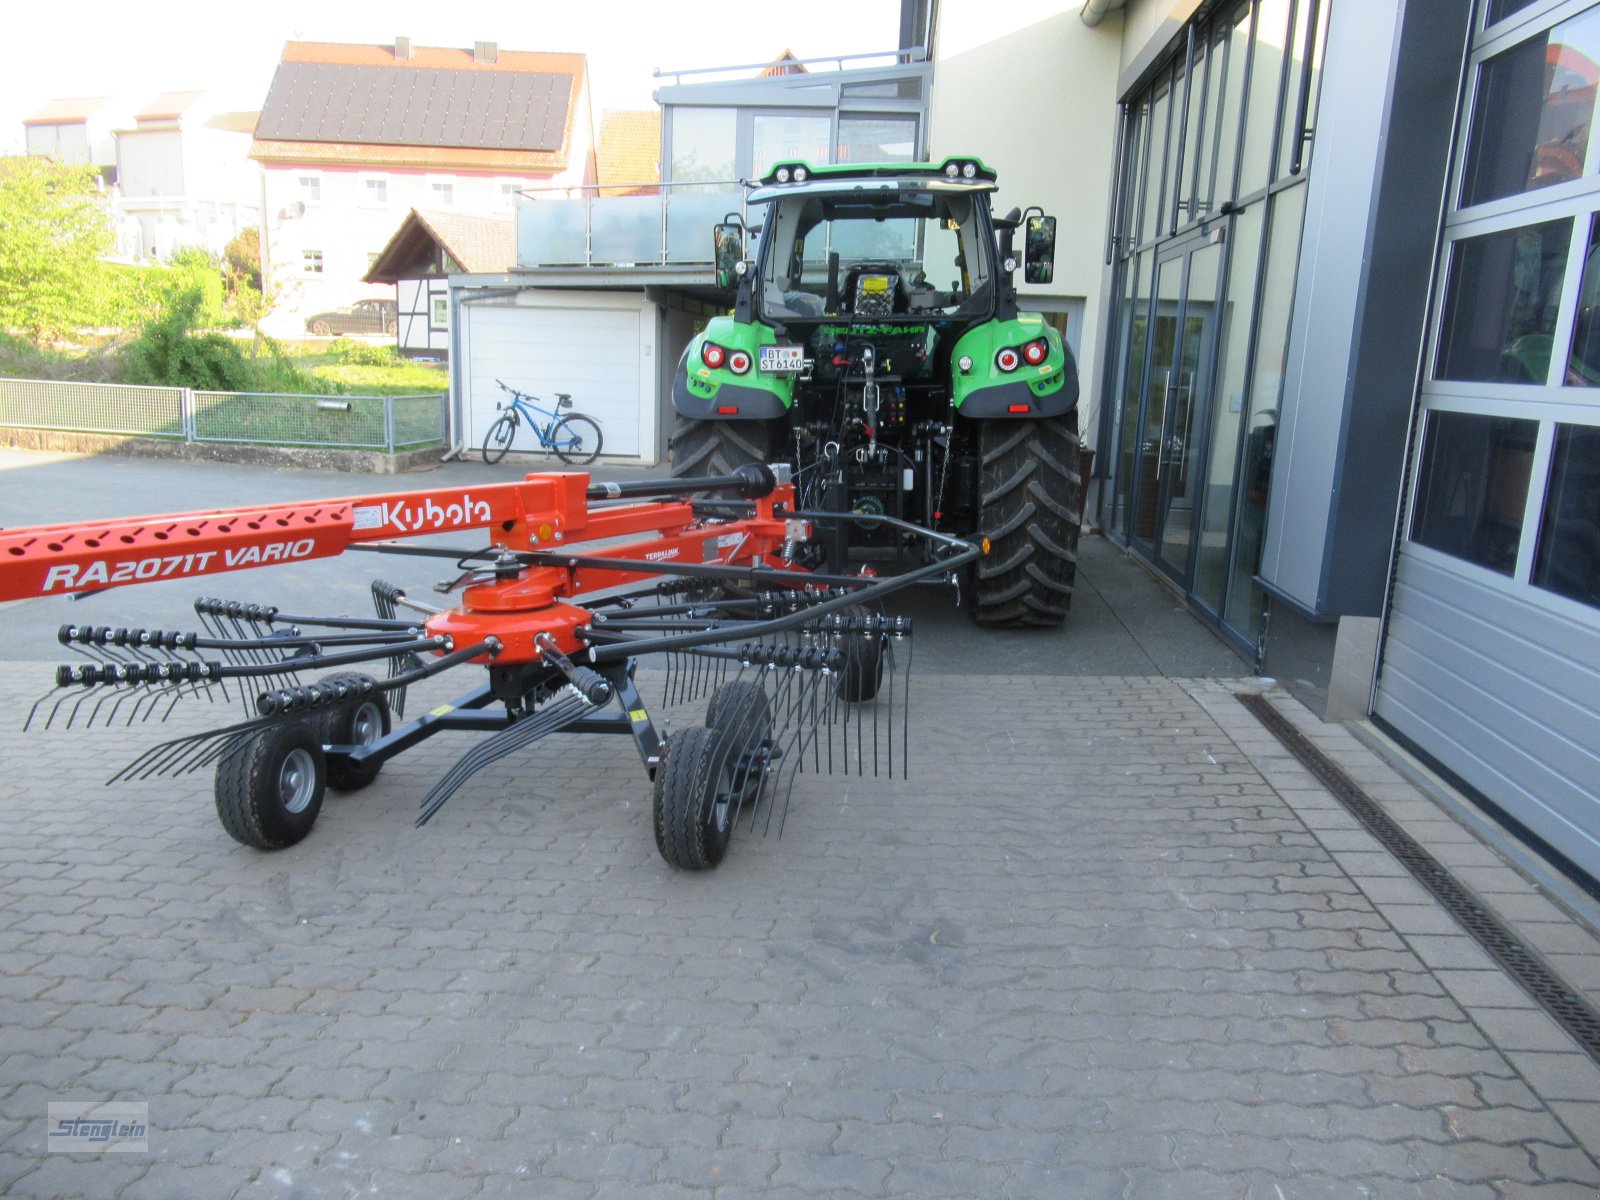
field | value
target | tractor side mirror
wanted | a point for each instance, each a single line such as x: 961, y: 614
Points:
x: 1039, y: 250
x: 727, y: 251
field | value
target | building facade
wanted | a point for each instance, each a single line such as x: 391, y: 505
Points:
x: 184, y: 177
x: 353, y: 137
x: 1345, y: 367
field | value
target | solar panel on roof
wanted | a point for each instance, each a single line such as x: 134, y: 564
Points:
x: 416, y: 106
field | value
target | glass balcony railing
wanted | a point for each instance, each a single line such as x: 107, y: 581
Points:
x: 623, y: 225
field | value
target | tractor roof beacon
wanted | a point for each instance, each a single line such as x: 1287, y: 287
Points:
x: 875, y: 343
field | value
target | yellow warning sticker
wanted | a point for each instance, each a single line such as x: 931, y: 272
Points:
x: 638, y: 714
x: 441, y: 710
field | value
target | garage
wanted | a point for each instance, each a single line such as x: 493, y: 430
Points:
x: 599, y: 347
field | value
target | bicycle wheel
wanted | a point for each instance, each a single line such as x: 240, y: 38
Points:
x: 576, y: 439
x: 499, y: 438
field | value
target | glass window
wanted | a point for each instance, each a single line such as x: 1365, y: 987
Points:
x: 1568, y: 559
x: 1583, y: 360
x: 1153, y: 223
x: 877, y: 139
x: 1266, y: 73
x: 1499, y: 10
x: 1289, y: 140
x: 1136, y: 314
x: 1135, y: 176
x: 703, y: 145
x: 1237, y: 33
x: 443, y: 192
x: 785, y: 138
x: 377, y: 191
x: 1194, y: 133
x: 903, y: 89
x: 1244, y: 602
x: 1473, y: 487
x: 311, y: 262
x: 1535, y: 102
x: 1233, y: 356
x: 438, y: 312
x: 1500, y: 304
x: 311, y: 188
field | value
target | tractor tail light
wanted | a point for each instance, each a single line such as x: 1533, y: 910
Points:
x: 727, y: 410
x: 738, y: 362
x: 1036, y: 352
x: 1008, y: 359
x: 713, y: 355
x: 1017, y: 408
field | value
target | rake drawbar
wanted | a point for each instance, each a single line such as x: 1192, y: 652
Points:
x: 579, y: 586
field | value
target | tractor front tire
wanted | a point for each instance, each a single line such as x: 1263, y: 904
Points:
x: 270, y: 785
x: 717, y: 447
x: 1029, y: 499
x: 694, y: 799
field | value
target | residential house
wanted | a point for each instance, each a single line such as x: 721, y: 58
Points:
x: 184, y: 177
x: 424, y: 252
x: 352, y: 137
x: 80, y: 131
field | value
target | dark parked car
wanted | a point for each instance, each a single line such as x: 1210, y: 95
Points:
x: 364, y: 316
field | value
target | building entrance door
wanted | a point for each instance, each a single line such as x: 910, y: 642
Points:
x: 1176, y: 406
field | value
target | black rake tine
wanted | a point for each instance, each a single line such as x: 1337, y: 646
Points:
x: 497, y: 746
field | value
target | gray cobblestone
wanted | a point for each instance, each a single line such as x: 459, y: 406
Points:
x: 1132, y: 972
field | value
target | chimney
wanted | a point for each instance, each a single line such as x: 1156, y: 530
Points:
x: 402, y: 48
x: 485, y: 52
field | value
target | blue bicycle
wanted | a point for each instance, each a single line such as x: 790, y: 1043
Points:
x: 573, y: 438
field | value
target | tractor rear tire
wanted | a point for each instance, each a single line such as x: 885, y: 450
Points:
x: 1030, y: 488
x: 717, y: 447
x: 270, y: 785
x: 694, y: 800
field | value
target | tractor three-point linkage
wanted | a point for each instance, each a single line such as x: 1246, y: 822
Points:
x: 578, y: 585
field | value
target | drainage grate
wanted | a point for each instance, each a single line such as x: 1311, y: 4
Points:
x: 1563, y: 1002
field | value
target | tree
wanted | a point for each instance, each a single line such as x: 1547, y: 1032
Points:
x: 243, y: 258
x: 53, y: 231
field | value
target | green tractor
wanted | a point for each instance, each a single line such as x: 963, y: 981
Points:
x: 876, y: 346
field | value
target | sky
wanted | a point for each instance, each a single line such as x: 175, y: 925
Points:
x: 137, y: 51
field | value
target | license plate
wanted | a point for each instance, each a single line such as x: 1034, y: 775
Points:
x: 782, y: 360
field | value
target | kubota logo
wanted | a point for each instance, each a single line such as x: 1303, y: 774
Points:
x: 413, y: 516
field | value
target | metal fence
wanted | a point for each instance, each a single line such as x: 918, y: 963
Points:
x: 389, y: 423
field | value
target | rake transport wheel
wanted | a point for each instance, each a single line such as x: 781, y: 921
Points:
x: 356, y: 723
x: 740, y: 715
x: 498, y: 440
x: 1029, y: 497
x: 695, y: 799
x: 863, y: 662
x: 717, y: 447
x: 270, y: 785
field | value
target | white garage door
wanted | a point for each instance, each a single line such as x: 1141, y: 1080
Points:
x: 594, y: 353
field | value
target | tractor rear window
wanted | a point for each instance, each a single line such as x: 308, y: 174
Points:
x: 915, y: 255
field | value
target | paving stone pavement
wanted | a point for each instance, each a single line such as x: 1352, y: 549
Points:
x: 1108, y: 941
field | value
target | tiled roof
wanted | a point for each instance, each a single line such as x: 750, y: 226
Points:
x: 628, y: 150
x: 167, y: 105
x: 785, y: 64
x: 481, y: 245
x: 66, y: 112
x: 436, y: 107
